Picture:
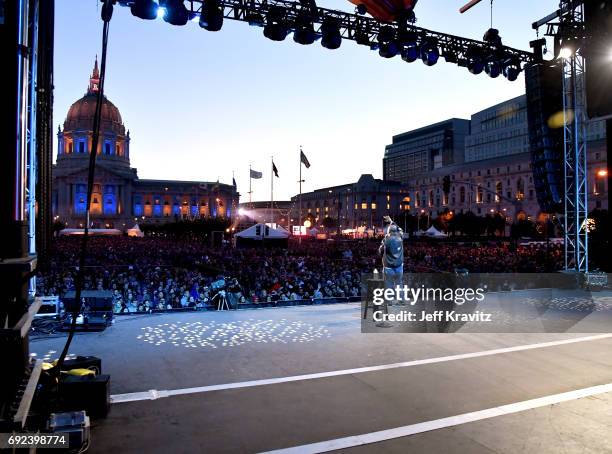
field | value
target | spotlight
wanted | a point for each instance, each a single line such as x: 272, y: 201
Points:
x: 304, y: 30
x: 410, y: 48
x: 475, y: 66
x: 493, y: 68
x: 161, y: 12
x: 362, y: 37
x: 512, y: 69
x: 475, y: 61
x: 211, y: 17
x: 429, y: 52
x: 176, y: 13
x: 145, y: 9
x: 276, y: 27
x: 387, y: 45
x: 566, y: 53
x: 330, y: 33
x: 255, y: 19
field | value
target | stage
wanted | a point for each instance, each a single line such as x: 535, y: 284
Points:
x: 267, y: 379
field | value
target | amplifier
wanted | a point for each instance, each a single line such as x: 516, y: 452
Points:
x: 89, y: 393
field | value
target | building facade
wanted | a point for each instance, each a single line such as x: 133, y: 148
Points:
x: 353, y: 205
x: 119, y: 197
x: 495, y: 174
x: 422, y: 150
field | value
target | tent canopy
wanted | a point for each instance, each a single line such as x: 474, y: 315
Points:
x: 263, y: 232
x: 135, y: 231
x: 432, y: 231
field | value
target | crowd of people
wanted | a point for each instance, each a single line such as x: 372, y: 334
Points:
x: 159, y: 273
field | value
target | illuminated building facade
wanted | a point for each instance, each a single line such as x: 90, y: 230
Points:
x: 119, y: 197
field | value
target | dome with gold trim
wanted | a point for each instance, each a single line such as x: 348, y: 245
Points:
x: 81, y: 113
x: 76, y: 138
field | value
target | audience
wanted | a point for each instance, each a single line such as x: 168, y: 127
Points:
x: 157, y: 273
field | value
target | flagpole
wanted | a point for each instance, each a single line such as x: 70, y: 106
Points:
x: 300, y: 199
x: 272, y: 191
x: 250, y: 190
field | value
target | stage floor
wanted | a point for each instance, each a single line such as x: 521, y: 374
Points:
x: 307, y: 378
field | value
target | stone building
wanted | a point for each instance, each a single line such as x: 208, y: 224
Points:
x: 353, y: 205
x: 490, y: 172
x: 119, y: 197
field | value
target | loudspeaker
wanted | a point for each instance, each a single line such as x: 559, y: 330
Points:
x: 598, y: 57
x: 544, y: 91
x: 89, y: 393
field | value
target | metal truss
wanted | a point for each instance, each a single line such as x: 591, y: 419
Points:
x: 362, y: 29
x: 31, y: 155
x: 575, y: 166
x: 574, y: 142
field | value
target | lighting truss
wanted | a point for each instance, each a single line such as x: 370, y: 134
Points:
x: 567, y: 25
x: 362, y: 29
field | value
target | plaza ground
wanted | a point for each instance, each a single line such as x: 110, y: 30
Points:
x: 192, y: 382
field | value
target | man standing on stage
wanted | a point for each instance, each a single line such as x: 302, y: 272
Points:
x: 392, y: 251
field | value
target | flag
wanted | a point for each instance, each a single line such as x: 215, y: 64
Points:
x: 274, y: 169
x: 256, y: 175
x: 234, y: 182
x: 304, y: 159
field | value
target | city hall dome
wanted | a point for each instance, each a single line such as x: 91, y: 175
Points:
x: 76, y: 138
x: 81, y: 113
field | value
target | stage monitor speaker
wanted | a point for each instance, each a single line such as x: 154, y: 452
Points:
x: 545, y: 124
x: 89, y: 393
x: 598, y: 57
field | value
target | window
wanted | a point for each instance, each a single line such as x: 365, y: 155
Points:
x: 462, y: 194
x: 107, y: 148
x: 81, y: 146
x: 373, y: 205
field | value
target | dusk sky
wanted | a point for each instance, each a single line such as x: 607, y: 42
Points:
x: 200, y: 105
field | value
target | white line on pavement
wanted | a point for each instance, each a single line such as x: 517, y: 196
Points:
x: 375, y: 437
x: 155, y: 394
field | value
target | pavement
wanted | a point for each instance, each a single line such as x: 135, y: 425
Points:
x: 306, y: 379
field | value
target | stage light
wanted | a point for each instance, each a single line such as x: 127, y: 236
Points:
x: 429, y: 52
x: 387, y: 45
x: 475, y: 66
x: 176, y: 12
x: 211, y: 17
x: 493, y: 68
x: 276, y: 27
x: 330, y: 34
x: 304, y: 30
x: 566, y: 52
x: 362, y: 38
x: 145, y: 9
x: 254, y: 19
x: 410, y: 49
x: 161, y: 12
x: 512, y: 69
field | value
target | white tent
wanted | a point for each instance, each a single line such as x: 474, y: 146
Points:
x: 263, y: 232
x: 434, y: 233
x: 135, y: 231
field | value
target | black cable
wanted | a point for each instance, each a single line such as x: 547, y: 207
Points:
x: 107, y: 12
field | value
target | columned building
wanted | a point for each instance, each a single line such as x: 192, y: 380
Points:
x: 119, y: 197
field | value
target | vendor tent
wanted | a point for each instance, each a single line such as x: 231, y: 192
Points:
x: 135, y: 231
x: 432, y: 232
x: 259, y: 234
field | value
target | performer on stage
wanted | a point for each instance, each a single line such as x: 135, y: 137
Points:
x: 392, y: 251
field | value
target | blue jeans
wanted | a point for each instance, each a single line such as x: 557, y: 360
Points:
x: 393, y: 276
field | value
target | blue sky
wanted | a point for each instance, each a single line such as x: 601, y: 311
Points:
x: 200, y: 105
